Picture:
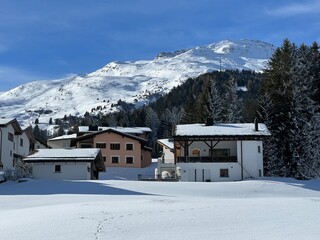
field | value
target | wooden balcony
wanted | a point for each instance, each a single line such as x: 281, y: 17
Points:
x: 207, y: 159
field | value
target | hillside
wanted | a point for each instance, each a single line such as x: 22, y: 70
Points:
x: 134, y: 82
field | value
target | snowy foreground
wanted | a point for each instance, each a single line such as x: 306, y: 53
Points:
x: 122, y: 209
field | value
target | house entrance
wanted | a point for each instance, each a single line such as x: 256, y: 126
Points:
x: 199, y: 175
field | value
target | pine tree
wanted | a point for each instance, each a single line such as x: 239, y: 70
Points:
x: 277, y: 88
x: 214, y: 101
x: 232, y: 109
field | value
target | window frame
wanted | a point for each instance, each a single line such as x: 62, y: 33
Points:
x: 114, y: 156
x: 224, y: 173
x: 127, y: 159
x: 101, y: 145
x: 57, y: 168
x: 113, y: 146
x: 10, y: 136
x: 130, y: 144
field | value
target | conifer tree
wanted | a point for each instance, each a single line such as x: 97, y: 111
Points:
x: 232, y: 109
x: 278, y: 86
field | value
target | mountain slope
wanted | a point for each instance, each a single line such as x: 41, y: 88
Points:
x: 133, y: 82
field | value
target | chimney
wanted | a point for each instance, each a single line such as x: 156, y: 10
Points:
x: 256, y: 125
x: 209, y: 121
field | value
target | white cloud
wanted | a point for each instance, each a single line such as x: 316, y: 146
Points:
x: 296, y: 9
x: 12, y: 77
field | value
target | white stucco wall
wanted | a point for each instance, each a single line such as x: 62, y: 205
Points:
x: 7, y: 149
x: 202, y: 172
x: 24, y: 149
x: 69, y: 171
x: 168, y: 155
x: 252, y: 159
x: 246, y: 150
x: 62, y: 143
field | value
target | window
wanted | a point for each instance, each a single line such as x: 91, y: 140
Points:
x: 84, y: 145
x: 129, y: 160
x: 104, y: 158
x: 115, y: 146
x: 129, y: 146
x: 195, y: 152
x: 259, y: 149
x: 21, y: 142
x: 220, y: 152
x: 10, y: 136
x: 224, y: 172
x: 114, y: 159
x: 57, y: 168
x: 100, y: 145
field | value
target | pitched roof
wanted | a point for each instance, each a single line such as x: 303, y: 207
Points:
x: 91, y: 135
x: 64, y: 137
x: 166, y: 142
x: 129, y: 130
x: 55, y: 155
x: 4, y: 122
x: 231, y: 130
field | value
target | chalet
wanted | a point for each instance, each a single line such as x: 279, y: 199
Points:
x: 15, y: 143
x: 222, y: 152
x: 119, y: 148
x: 66, y: 164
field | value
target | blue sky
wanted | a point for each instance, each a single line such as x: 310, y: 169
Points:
x: 50, y: 39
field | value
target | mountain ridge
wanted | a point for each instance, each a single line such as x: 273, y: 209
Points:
x: 130, y: 81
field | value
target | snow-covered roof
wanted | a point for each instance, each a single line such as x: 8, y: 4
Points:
x: 166, y: 143
x: 130, y: 130
x: 5, y: 121
x: 13, y: 121
x: 76, y: 154
x: 231, y: 129
x: 64, y: 137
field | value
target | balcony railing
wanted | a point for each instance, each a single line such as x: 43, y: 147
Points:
x: 207, y: 159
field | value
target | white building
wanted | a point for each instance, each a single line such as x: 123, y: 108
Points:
x: 223, y: 152
x: 14, y: 143
x: 61, y: 141
x: 66, y: 164
x: 166, y: 165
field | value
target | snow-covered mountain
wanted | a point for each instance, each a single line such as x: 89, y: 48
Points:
x: 133, y: 82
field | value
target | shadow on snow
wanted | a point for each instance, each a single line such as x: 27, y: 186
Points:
x: 47, y: 187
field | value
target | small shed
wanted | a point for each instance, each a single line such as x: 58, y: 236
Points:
x: 67, y: 164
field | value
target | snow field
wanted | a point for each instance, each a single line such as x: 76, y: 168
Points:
x: 114, y: 209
